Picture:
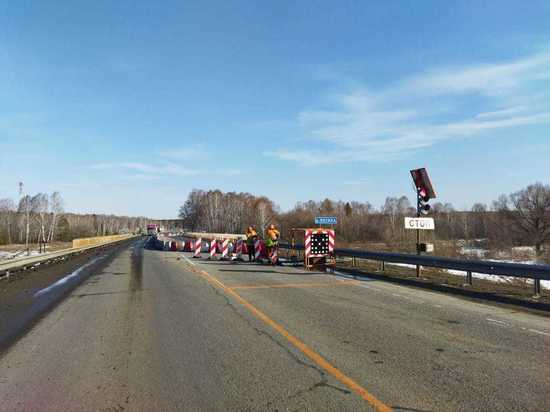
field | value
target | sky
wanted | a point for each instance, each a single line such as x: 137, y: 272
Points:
x: 126, y: 106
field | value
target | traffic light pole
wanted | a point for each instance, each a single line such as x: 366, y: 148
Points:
x: 418, y: 243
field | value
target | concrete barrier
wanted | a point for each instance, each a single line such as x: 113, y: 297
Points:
x: 91, y: 241
x: 212, y: 236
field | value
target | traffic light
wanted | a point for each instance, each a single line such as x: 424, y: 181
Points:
x: 423, y: 207
x: 424, y: 190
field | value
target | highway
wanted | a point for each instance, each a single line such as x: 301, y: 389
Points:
x: 154, y: 330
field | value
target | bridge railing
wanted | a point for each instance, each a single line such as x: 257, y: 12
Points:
x: 520, y: 270
x: 30, y: 262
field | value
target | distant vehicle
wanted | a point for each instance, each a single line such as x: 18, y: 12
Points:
x: 152, y: 229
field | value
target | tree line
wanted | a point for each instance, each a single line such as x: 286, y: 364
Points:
x: 520, y: 218
x: 41, y: 218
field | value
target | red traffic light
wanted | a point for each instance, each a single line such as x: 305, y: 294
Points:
x: 422, y: 193
x: 423, y: 183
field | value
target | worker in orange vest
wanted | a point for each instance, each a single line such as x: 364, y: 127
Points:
x: 251, y: 237
x: 271, y: 239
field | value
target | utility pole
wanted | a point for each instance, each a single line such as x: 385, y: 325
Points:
x: 27, y: 216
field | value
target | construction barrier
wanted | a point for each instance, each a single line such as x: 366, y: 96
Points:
x: 260, y: 250
x: 198, y: 245
x: 213, y: 248
x: 187, y: 246
x: 274, y: 255
x: 319, y: 247
x: 239, y: 249
x: 218, y: 236
x: 257, y: 249
x: 225, y: 248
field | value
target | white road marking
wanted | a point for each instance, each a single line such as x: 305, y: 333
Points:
x: 539, y: 332
x: 66, y: 278
x: 498, y: 322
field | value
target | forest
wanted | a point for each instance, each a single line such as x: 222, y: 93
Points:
x: 41, y: 218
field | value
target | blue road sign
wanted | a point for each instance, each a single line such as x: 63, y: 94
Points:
x: 325, y: 220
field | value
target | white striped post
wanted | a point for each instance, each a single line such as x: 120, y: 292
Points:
x: 213, y: 248
x: 225, y: 248
x: 198, y: 244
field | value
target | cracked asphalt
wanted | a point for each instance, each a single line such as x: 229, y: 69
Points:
x: 153, y: 330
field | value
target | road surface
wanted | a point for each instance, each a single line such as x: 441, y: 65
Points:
x: 156, y: 330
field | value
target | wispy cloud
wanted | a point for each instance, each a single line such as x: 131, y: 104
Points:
x: 150, y: 170
x: 424, y: 110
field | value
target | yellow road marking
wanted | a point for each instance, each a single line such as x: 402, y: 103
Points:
x: 296, y: 285
x: 306, y: 350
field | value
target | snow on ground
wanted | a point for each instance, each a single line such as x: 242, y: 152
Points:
x: 493, y: 278
x: 18, y: 254
x: 529, y: 249
x: 473, y: 251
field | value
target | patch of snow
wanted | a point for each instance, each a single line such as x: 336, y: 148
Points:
x: 4, y: 255
x: 473, y: 251
x: 19, y: 254
x: 502, y: 279
x: 530, y: 249
x: 403, y: 265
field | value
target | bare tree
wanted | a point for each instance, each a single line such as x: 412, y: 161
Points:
x: 531, y: 211
x: 7, y: 210
x: 24, y: 210
x: 56, y: 208
x: 39, y: 208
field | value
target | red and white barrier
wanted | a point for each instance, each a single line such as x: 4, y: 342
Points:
x: 274, y: 255
x: 225, y: 248
x: 239, y: 249
x: 198, y: 245
x: 213, y: 248
x: 257, y: 249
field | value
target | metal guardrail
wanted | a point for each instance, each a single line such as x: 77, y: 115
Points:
x: 29, y: 262
x: 520, y: 270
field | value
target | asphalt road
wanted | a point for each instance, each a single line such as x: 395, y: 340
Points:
x: 154, y: 330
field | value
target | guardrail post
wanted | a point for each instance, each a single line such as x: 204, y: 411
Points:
x: 382, y: 266
x: 417, y: 271
x: 353, y: 263
x: 469, y: 278
x: 537, y: 288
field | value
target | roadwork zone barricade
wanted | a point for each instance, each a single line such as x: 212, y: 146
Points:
x: 318, y: 247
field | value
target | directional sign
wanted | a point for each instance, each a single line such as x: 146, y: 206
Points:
x: 422, y: 223
x: 325, y: 220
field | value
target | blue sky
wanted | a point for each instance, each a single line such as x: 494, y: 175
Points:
x: 126, y: 106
